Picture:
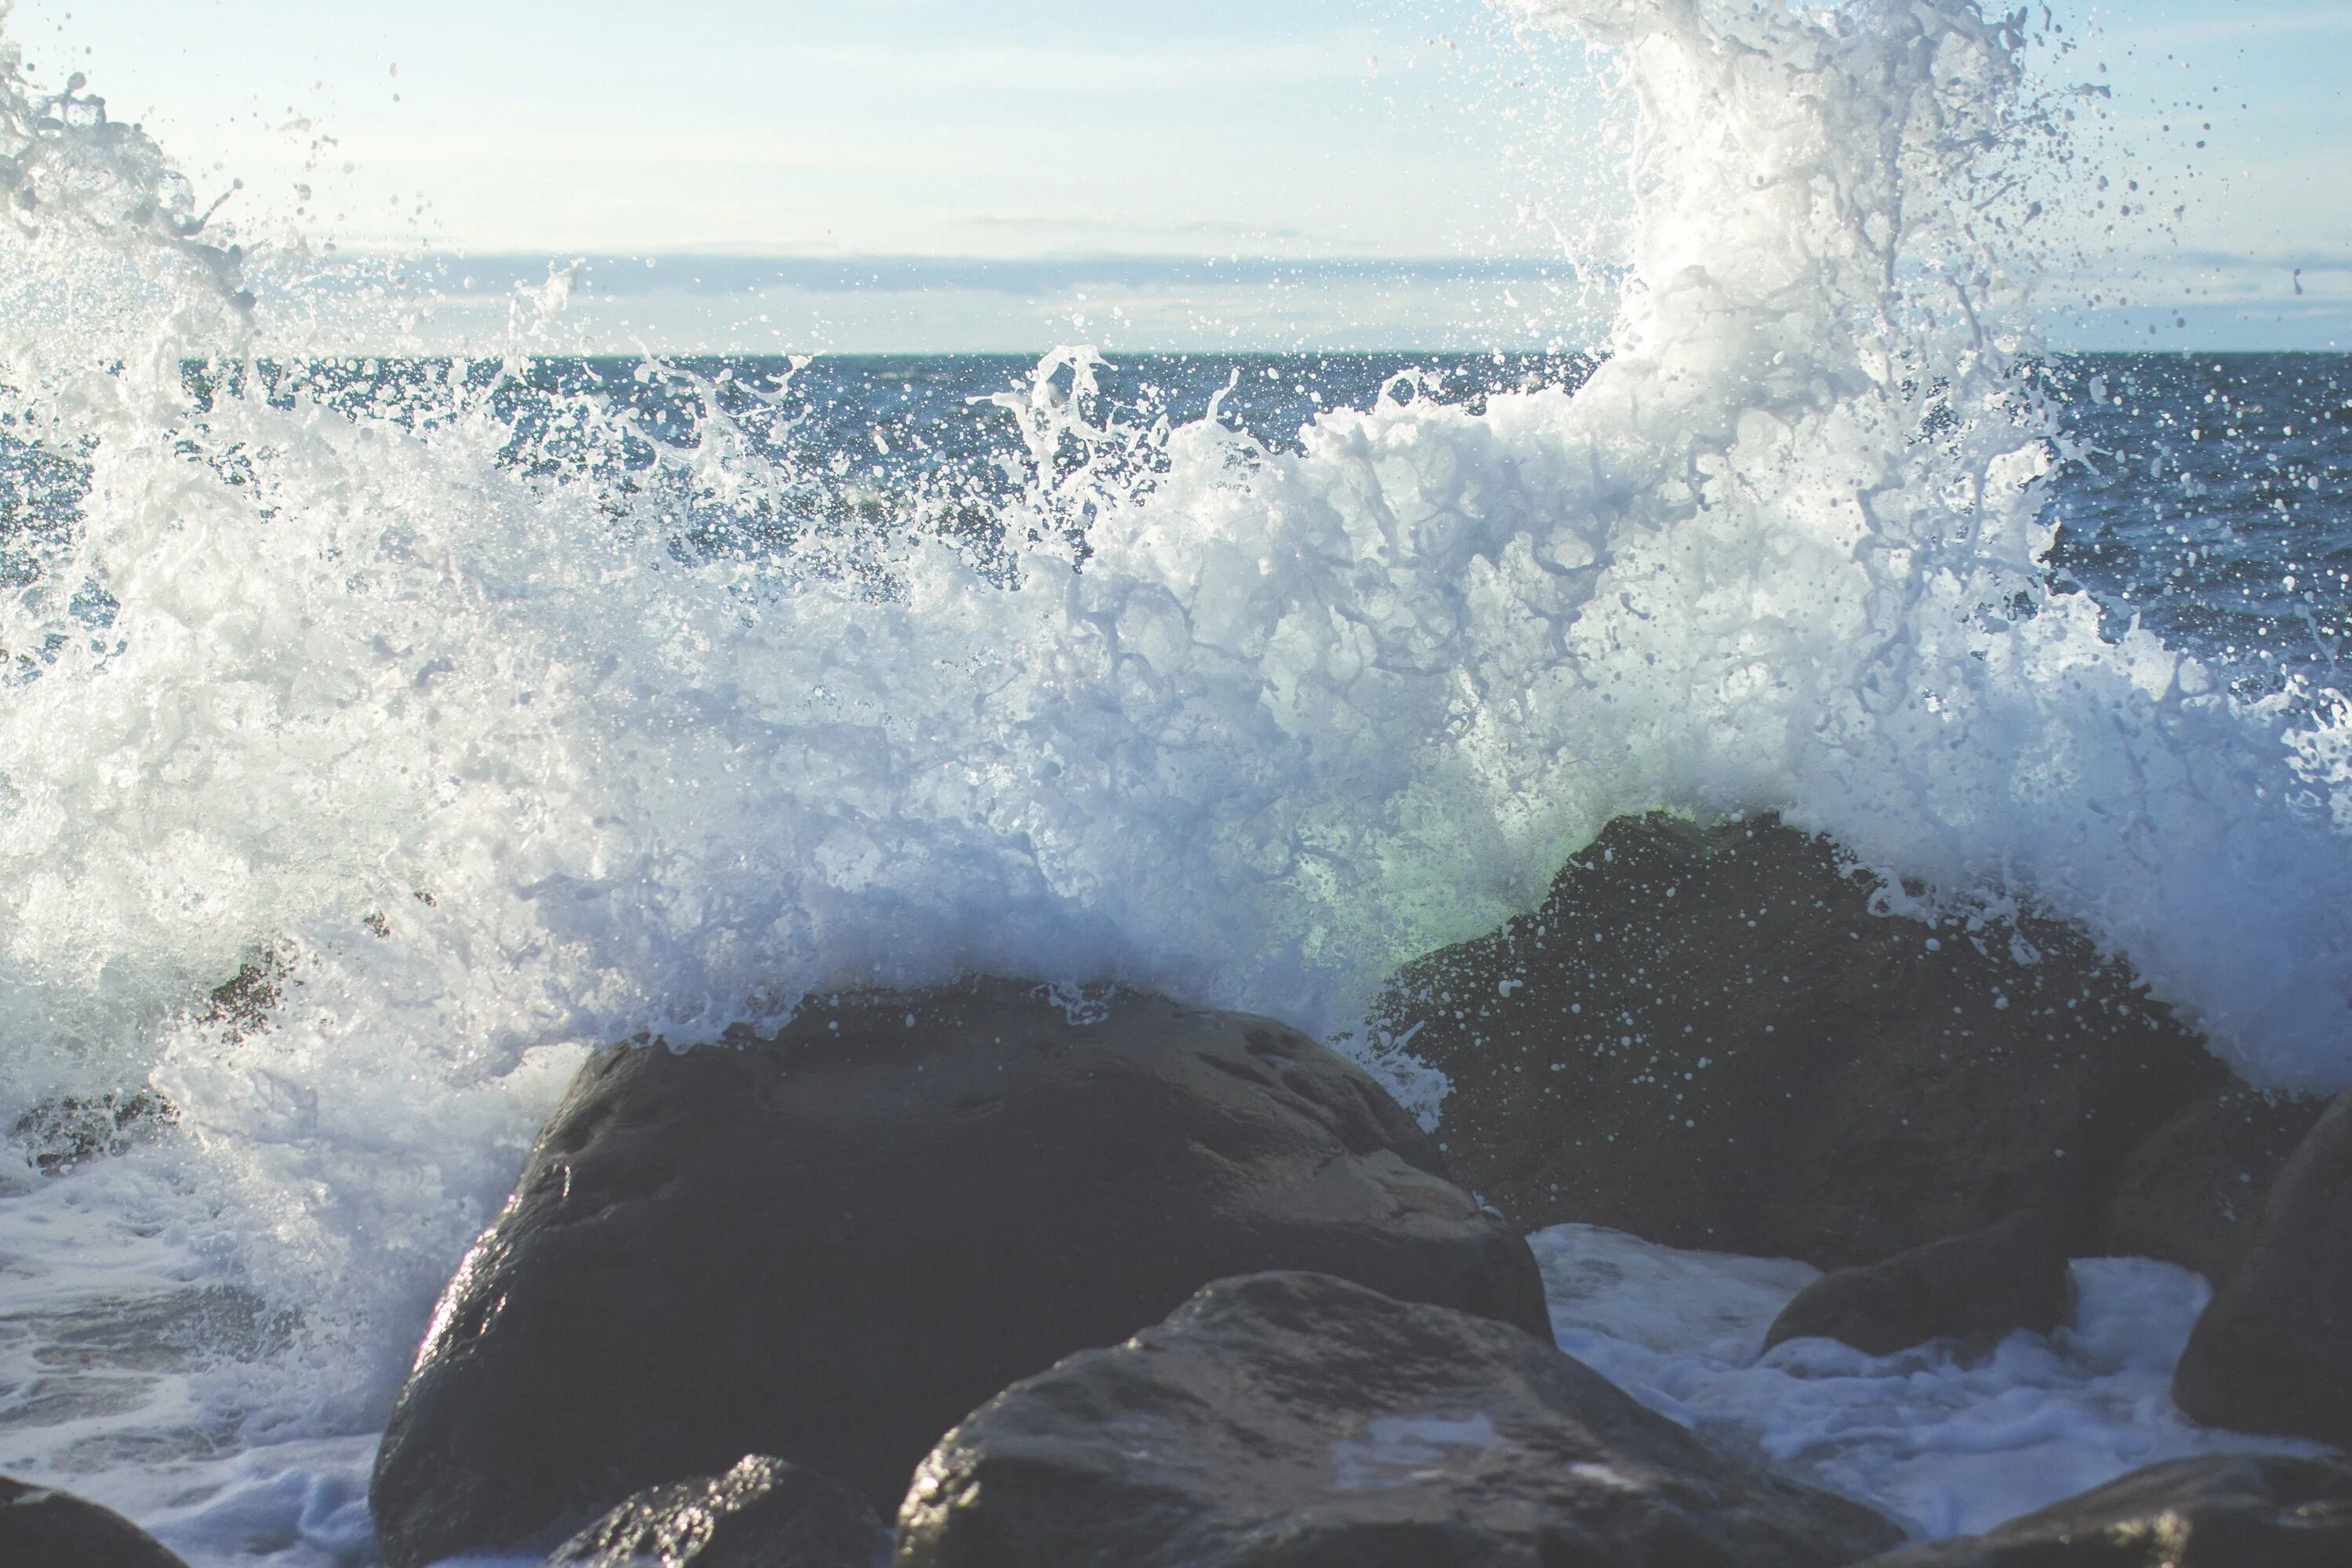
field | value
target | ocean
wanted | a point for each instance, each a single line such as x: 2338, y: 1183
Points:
x: 380, y: 732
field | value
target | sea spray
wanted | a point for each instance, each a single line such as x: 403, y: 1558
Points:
x: 1825, y: 353
x: 469, y: 757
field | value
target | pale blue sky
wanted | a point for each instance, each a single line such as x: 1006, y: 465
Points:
x: 1282, y: 130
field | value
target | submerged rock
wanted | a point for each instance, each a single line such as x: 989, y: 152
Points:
x: 762, y: 1513
x: 2273, y: 1353
x: 43, y: 1528
x: 1705, y: 1038
x: 1292, y: 1420
x: 61, y: 1134
x: 2217, y: 1511
x: 2193, y: 1191
x: 832, y: 1244
x: 1976, y: 1288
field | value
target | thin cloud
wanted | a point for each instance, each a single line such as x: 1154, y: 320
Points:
x: 630, y: 277
x: 1078, y: 70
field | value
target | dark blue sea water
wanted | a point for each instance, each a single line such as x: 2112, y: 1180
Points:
x: 2210, y: 495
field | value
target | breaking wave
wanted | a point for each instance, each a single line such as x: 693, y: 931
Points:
x: 364, y: 755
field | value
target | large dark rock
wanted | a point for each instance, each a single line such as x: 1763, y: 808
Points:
x: 42, y: 1527
x: 830, y: 1246
x: 1705, y: 1036
x: 1975, y: 1287
x: 2273, y: 1353
x: 2193, y: 1191
x: 2226, y: 1511
x: 764, y: 1513
x: 1298, y: 1421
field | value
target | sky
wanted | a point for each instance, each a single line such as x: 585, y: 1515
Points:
x: 907, y: 174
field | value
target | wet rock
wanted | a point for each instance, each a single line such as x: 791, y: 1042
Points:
x: 1976, y: 1288
x: 2192, y: 1193
x: 43, y: 1528
x: 59, y: 1134
x: 241, y: 1004
x: 832, y: 1244
x: 2273, y: 1353
x: 762, y: 1513
x: 1291, y: 1420
x: 1705, y: 1036
x: 2221, y: 1512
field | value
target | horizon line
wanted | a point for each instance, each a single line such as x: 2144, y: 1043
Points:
x: 624, y: 274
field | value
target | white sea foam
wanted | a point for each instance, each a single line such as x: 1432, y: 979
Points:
x: 1948, y: 1444
x: 486, y: 773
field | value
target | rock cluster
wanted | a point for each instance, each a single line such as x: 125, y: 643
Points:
x: 831, y: 1245
x: 1157, y: 1286
x: 1705, y: 1036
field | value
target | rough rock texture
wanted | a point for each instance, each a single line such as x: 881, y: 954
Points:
x: 1705, y: 1038
x: 59, y: 1135
x: 830, y: 1246
x: 764, y: 1513
x: 1294, y: 1420
x: 2273, y: 1353
x: 2221, y: 1511
x: 41, y: 1528
x: 2192, y: 1193
x: 1975, y: 1287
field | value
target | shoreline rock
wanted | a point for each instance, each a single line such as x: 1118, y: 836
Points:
x: 41, y: 1526
x: 2273, y: 1353
x: 1290, y: 1420
x: 1707, y: 1037
x: 762, y: 1513
x: 1978, y: 1288
x: 832, y: 1244
x: 2194, y: 1190
x: 2230, y: 1510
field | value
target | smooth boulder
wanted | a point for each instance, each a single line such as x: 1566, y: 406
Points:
x: 1705, y: 1036
x: 762, y: 1513
x: 2228, y: 1510
x: 2273, y: 1351
x: 1290, y: 1420
x: 2193, y: 1191
x: 1976, y: 1289
x: 830, y: 1245
x: 41, y: 1526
